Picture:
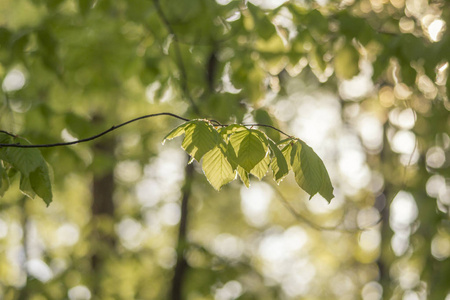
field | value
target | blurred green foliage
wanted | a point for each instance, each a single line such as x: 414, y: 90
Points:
x: 364, y: 82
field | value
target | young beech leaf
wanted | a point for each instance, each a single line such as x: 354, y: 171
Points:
x: 25, y: 160
x: 200, y: 138
x: 34, y: 176
x: 25, y: 186
x: 286, y: 151
x: 260, y: 170
x: 243, y: 175
x: 40, y: 183
x: 278, y: 165
x: 226, y: 131
x: 309, y: 170
x: 249, y: 146
x: 177, y: 131
x: 216, y: 167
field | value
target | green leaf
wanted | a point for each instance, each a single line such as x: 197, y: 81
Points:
x: 34, y: 175
x: 25, y: 160
x: 200, y: 138
x: 286, y: 151
x: 5, y: 139
x: 2, y: 173
x: 260, y: 170
x: 4, y: 180
x: 216, y: 167
x: 278, y: 165
x: 243, y: 175
x: 249, y: 148
x: 177, y: 131
x: 226, y: 131
x: 40, y: 183
x: 310, y: 172
x: 25, y: 186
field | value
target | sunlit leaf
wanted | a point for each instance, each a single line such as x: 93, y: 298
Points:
x: 260, y: 170
x: 200, y: 138
x: 286, y: 151
x: 243, y: 175
x: 310, y: 172
x: 179, y: 130
x: 278, y: 165
x: 226, y: 131
x: 249, y: 148
x: 216, y: 167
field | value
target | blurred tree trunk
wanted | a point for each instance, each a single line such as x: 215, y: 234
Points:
x: 103, y: 210
x: 181, y: 266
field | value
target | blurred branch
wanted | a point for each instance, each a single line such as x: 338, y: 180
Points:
x: 310, y: 223
x: 216, y: 123
x: 297, y: 215
x: 183, y: 79
x: 181, y: 264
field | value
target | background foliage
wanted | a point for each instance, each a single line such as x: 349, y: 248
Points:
x: 363, y: 82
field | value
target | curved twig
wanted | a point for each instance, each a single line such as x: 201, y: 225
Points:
x: 216, y: 123
x: 89, y: 138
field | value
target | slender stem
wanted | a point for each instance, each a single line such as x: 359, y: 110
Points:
x: 92, y: 137
x: 216, y: 123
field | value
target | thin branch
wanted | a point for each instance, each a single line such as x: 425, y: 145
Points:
x: 8, y: 133
x: 216, y: 123
x: 310, y: 223
x: 269, y: 126
x: 184, y: 85
x: 92, y: 137
x: 300, y: 217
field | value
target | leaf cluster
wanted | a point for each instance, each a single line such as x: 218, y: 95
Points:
x: 34, y: 173
x: 235, y: 150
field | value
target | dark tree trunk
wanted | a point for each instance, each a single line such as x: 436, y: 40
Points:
x: 102, y: 207
x: 181, y: 265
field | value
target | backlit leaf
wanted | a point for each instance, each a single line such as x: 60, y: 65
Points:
x: 310, y: 172
x: 200, y: 138
x: 243, y: 175
x: 286, y: 151
x: 177, y: 131
x: 260, y: 170
x: 216, y: 167
x: 226, y: 131
x: 249, y: 148
x: 278, y: 165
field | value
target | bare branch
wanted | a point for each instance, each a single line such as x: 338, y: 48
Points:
x: 214, y: 122
x: 89, y: 138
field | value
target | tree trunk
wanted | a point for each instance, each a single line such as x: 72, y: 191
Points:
x: 181, y: 265
x: 102, y: 209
